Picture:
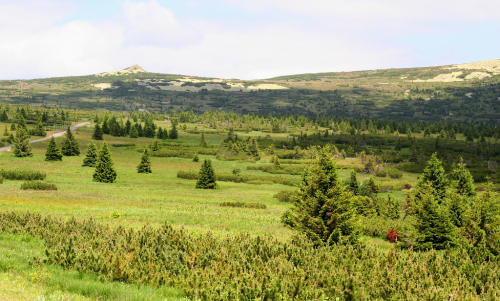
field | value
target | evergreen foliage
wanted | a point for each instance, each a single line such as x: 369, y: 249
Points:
x: 98, y: 132
x: 434, y: 177
x: 173, y: 132
x: 90, y: 155
x: 435, y: 229
x: 196, y: 158
x: 104, y: 171
x: 21, y: 144
x: 353, y: 184
x: 393, y: 207
x: 155, y: 146
x: 53, y: 153
x: 206, y: 178
x: 70, y: 146
x: 134, y: 133
x: 324, y: 210
x: 203, y: 143
x: 145, y: 165
x: 482, y: 226
x: 464, y: 181
x: 39, y: 129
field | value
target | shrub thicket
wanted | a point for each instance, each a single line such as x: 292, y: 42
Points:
x: 240, y: 178
x: 286, y: 195
x: 26, y: 175
x: 246, y: 267
x: 38, y: 185
x: 243, y: 205
x: 393, y: 173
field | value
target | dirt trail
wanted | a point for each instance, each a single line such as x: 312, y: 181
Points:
x: 8, y: 148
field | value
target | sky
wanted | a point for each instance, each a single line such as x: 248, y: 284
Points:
x: 242, y: 39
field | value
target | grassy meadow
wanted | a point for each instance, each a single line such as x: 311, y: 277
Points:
x: 138, y: 199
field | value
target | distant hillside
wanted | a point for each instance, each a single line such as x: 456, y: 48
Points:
x: 455, y: 93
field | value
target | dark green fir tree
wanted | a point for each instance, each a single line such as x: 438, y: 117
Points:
x: 21, y: 144
x: 134, y: 133
x: 53, y: 153
x: 393, y: 207
x: 196, y: 158
x: 464, y: 181
x: 145, y: 165
x: 104, y: 170
x: 70, y: 146
x: 173, y: 132
x: 324, y: 210
x: 203, y: 143
x: 354, y: 184
x: 206, y: 178
x: 90, y: 159
x: 433, y: 177
x: 433, y: 223
x: 98, y: 133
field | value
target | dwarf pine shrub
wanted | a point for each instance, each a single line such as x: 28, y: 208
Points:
x: 26, y: 175
x: 38, y: 185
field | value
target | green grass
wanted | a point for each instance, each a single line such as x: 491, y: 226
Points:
x: 21, y: 278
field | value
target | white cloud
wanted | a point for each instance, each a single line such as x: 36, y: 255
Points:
x: 150, y: 24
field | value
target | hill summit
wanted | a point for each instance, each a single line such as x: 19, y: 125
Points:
x: 132, y: 69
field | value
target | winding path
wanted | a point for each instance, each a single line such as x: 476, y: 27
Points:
x: 8, y: 148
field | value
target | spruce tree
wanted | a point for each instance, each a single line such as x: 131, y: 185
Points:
x: 203, y: 143
x: 145, y: 165
x: 53, y: 153
x: 104, y: 170
x: 434, y: 226
x: 40, y: 130
x: 6, y: 132
x: 196, y: 158
x: 206, y: 178
x: 155, y: 146
x: 353, y: 183
x: 393, y: 207
x: 70, y: 145
x: 324, y: 210
x: 464, y: 181
x: 98, y: 133
x: 21, y: 144
x: 90, y: 155
x: 433, y: 177
x: 133, y: 132
x: 173, y: 132
x: 482, y: 226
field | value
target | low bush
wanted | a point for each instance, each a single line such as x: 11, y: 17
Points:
x: 1, y: 180
x: 238, y: 157
x: 255, y: 267
x: 174, y: 153
x: 37, y: 185
x: 243, y: 205
x: 282, y: 169
x: 241, y: 178
x: 26, y: 175
x: 260, y: 182
x: 122, y: 144
x: 286, y: 195
x: 393, y: 173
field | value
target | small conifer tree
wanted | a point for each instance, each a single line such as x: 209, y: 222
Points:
x: 145, y: 165
x: 196, y: 158
x: 53, y: 153
x: 40, y: 130
x: 434, y: 177
x: 21, y: 144
x: 393, y: 207
x: 98, y: 133
x: 155, y: 146
x: 435, y: 228
x: 90, y: 155
x: 203, y: 142
x: 173, y: 132
x: 104, y: 170
x: 134, y: 133
x: 70, y: 146
x: 324, y: 210
x: 464, y: 180
x: 206, y: 179
x: 353, y: 183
